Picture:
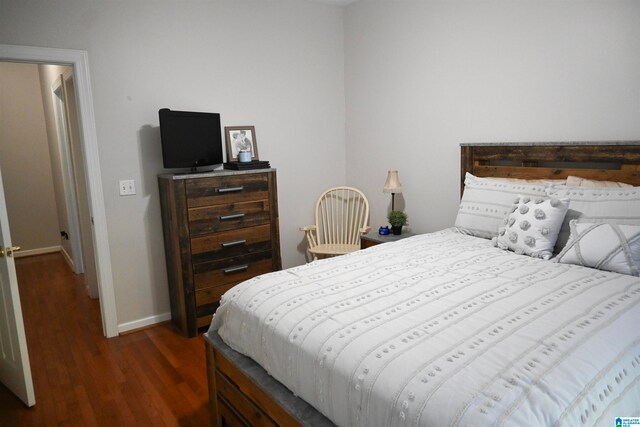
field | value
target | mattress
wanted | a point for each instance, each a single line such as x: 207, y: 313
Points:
x: 444, y: 329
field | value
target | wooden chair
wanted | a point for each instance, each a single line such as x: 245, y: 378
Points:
x: 342, y: 216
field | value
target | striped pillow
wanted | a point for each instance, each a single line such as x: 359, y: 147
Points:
x: 595, y: 205
x: 486, y: 202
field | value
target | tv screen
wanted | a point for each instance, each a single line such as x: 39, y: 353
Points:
x: 190, y: 139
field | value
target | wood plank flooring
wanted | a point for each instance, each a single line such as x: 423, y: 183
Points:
x: 153, y: 377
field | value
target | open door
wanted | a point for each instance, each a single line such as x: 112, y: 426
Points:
x: 81, y: 190
x: 15, y: 371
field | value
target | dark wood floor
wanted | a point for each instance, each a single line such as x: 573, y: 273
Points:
x: 153, y: 377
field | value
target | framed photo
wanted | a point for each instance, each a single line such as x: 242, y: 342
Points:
x: 240, y: 138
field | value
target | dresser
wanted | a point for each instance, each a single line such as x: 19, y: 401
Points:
x: 220, y: 228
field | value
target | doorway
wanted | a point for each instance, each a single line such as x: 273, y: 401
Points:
x: 40, y: 147
x: 78, y: 60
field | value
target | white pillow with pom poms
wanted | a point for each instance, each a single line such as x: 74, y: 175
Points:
x: 533, y: 225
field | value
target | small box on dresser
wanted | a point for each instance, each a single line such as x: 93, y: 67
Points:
x: 220, y: 228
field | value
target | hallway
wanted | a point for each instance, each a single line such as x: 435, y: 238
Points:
x: 150, y: 377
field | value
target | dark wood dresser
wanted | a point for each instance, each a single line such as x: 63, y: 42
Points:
x: 220, y: 228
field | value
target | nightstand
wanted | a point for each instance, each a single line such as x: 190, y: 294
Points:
x: 372, y: 238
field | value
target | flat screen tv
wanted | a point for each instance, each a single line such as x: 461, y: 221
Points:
x: 190, y: 139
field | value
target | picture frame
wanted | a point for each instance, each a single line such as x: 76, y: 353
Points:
x: 238, y: 138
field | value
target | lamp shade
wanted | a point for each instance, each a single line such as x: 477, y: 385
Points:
x: 392, y: 185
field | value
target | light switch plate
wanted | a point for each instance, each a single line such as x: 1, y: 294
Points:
x: 127, y: 187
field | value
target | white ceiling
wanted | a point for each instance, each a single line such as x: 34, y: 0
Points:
x: 337, y: 2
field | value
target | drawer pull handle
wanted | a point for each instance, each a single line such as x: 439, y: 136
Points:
x: 228, y: 217
x: 230, y: 189
x: 236, y: 269
x: 234, y: 243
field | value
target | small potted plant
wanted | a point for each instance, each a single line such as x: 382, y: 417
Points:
x: 397, y: 219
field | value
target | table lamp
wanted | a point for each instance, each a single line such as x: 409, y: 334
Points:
x: 393, y: 186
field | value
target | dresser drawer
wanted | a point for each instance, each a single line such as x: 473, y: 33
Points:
x: 204, y: 321
x: 231, y: 270
x: 230, y: 243
x: 207, y: 294
x: 215, y: 218
x: 226, y: 189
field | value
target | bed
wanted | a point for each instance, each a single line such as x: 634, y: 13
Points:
x: 444, y: 328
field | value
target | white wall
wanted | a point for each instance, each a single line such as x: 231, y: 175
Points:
x: 278, y: 65
x: 423, y: 76
x: 24, y: 159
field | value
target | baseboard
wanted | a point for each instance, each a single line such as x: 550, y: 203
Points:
x: 67, y: 258
x: 142, y: 323
x: 38, y: 251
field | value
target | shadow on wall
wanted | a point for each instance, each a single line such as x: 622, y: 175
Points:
x: 150, y: 155
x: 150, y: 152
x: 303, y: 247
x: 399, y: 203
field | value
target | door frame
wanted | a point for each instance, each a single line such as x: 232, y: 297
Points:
x: 68, y: 178
x: 80, y: 62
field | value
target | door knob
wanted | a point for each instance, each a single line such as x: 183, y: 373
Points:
x: 8, y: 251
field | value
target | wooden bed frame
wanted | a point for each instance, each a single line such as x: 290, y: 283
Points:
x: 236, y: 398
x: 604, y: 161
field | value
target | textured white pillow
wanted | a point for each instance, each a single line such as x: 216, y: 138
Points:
x: 594, y: 205
x: 486, y: 202
x: 576, y: 181
x: 533, y: 225
x: 604, y: 246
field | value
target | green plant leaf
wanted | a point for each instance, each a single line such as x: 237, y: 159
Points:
x: 397, y: 218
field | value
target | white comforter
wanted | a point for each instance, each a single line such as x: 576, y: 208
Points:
x: 442, y: 329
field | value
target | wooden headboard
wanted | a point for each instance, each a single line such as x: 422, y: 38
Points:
x: 608, y: 161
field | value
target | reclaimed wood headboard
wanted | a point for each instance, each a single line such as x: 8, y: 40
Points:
x: 607, y: 160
